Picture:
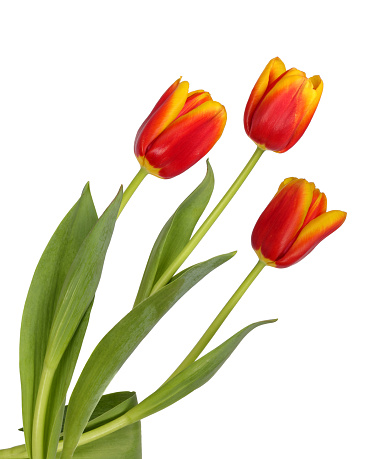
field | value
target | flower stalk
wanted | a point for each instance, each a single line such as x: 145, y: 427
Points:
x: 206, y: 225
x: 219, y: 320
x: 130, y: 190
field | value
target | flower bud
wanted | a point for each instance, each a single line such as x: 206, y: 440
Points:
x: 281, y: 106
x: 294, y: 223
x: 180, y: 130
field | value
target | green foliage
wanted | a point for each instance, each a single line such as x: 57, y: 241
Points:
x: 190, y: 379
x: 122, y: 444
x: 56, y: 316
x: 42, y: 299
x: 175, y: 234
x: 119, y: 343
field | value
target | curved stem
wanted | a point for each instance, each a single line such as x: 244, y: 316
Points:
x: 210, y: 220
x: 40, y: 413
x: 133, y: 185
x: 124, y: 420
x: 41, y: 404
x: 216, y: 324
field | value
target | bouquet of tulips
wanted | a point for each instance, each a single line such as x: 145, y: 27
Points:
x: 181, y: 129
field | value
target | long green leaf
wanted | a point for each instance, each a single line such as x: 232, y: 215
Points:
x: 123, y: 444
x: 114, y: 349
x: 81, y: 283
x: 190, y: 379
x: 69, y: 325
x: 175, y: 234
x: 61, y: 382
x: 111, y: 406
x: 42, y: 299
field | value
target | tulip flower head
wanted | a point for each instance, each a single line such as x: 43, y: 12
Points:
x: 293, y: 223
x: 180, y: 130
x: 281, y: 106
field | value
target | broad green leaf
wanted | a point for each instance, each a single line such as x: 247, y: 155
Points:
x: 190, y: 379
x: 123, y: 444
x: 175, y: 234
x: 106, y: 410
x: 119, y: 343
x: 111, y: 406
x: 17, y: 452
x: 42, y: 299
x: 71, y: 319
x: 80, y: 284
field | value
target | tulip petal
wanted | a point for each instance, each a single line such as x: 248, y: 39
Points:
x: 285, y: 182
x: 280, y: 112
x: 282, y: 219
x: 165, y: 111
x: 308, y: 102
x: 313, y: 233
x: 165, y: 96
x: 187, y: 140
x: 318, y: 206
x: 160, y: 102
x: 193, y: 100
x: 273, y: 70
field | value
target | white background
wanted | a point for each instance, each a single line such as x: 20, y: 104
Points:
x: 76, y: 81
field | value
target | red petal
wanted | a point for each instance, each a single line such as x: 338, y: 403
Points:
x: 272, y: 71
x: 187, y: 140
x: 279, y: 113
x: 309, y: 100
x: 193, y: 100
x: 318, y: 206
x: 163, y: 114
x: 280, y: 222
x: 313, y: 233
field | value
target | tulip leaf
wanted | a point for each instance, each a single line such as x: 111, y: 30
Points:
x: 175, y: 234
x: 191, y: 378
x: 111, y: 406
x: 42, y: 298
x: 71, y: 319
x: 123, y: 444
x: 63, y: 376
x: 119, y: 343
x: 81, y: 283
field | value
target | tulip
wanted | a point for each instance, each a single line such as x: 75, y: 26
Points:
x: 281, y: 106
x: 180, y: 130
x: 294, y: 223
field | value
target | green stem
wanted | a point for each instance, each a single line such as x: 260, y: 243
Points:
x: 216, y: 324
x: 88, y: 437
x: 210, y: 220
x: 41, y: 404
x: 40, y: 413
x: 133, y: 185
x: 124, y: 420
x: 18, y: 452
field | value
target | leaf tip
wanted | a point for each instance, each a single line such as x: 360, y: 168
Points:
x: 86, y: 188
x: 210, y: 171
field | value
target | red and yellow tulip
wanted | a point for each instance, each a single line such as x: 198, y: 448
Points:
x: 294, y: 223
x: 281, y: 106
x: 180, y: 130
